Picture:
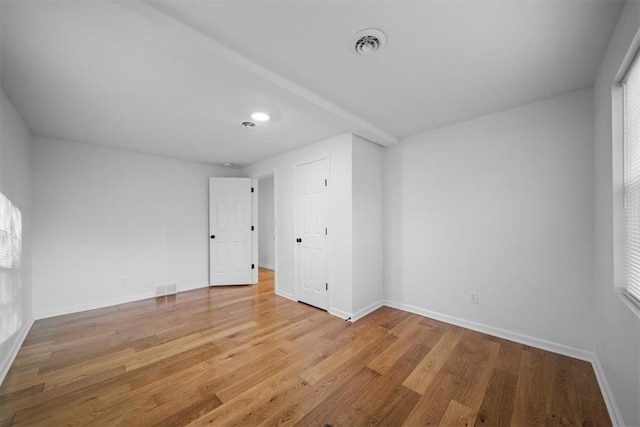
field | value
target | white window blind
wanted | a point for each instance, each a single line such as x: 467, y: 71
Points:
x: 10, y: 234
x: 631, y: 135
x: 10, y: 274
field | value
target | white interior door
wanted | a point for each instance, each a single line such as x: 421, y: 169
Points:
x: 230, y: 231
x: 312, y: 208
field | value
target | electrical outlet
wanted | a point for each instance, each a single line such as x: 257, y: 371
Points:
x: 473, y: 297
x: 123, y: 282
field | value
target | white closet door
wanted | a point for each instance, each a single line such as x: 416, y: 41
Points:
x: 312, y: 208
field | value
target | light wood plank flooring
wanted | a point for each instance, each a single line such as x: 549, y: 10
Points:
x: 243, y: 356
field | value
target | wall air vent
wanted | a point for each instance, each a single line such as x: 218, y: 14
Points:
x: 367, y: 41
x: 163, y: 290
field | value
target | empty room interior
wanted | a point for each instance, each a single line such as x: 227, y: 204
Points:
x: 320, y: 213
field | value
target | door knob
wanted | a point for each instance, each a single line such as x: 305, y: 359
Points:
x: 213, y: 236
x: 298, y: 240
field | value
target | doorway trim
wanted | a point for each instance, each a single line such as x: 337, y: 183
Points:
x: 276, y: 227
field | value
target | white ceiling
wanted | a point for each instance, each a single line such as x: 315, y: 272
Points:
x: 177, y: 78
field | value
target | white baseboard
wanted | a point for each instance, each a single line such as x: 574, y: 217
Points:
x: 612, y: 407
x: 286, y: 295
x: 497, y: 332
x: 93, y: 305
x: 192, y: 287
x: 334, y: 312
x: 369, y: 309
x: 339, y: 313
x: 107, y: 303
x: 267, y: 266
x: 15, y: 348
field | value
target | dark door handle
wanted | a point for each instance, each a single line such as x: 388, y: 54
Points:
x: 213, y: 236
x: 298, y: 240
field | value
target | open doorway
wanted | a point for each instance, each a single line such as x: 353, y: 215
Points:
x: 266, y: 223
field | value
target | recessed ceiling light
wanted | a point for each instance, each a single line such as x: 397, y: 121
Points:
x: 259, y: 116
x: 249, y: 125
x: 227, y: 164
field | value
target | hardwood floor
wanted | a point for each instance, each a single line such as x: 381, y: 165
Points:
x: 243, y: 356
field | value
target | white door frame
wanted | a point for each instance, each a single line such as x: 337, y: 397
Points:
x: 256, y: 214
x: 254, y: 235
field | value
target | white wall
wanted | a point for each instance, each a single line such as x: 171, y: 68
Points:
x: 617, y: 328
x: 367, y: 226
x: 266, y: 226
x: 101, y: 214
x: 501, y: 205
x: 338, y: 151
x: 15, y: 184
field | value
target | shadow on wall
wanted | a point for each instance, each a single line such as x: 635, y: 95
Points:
x: 10, y: 263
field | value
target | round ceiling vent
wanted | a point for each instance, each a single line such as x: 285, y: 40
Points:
x: 367, y: 41
x: 248, y: 124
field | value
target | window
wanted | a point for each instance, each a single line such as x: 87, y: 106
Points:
x: 10, y: 234
x: 631, y: 165
x: 10, y: 263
